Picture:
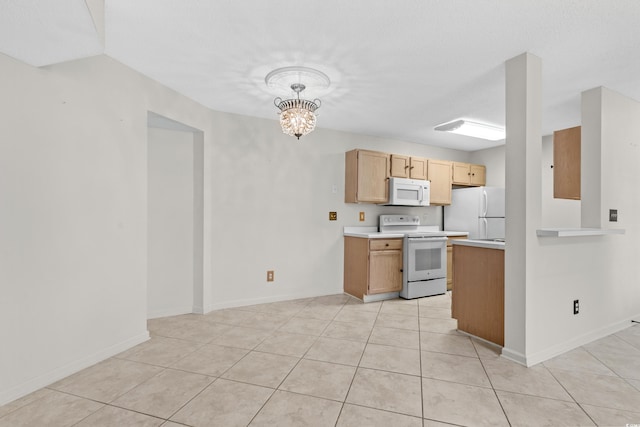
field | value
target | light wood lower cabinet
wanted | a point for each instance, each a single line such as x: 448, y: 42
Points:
x: 372, y: 266
x: 450, y: 260
x: 478, y: 296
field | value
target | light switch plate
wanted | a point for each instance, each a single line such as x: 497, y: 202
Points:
x: 361, y: 216
x: 613, y: 215
x: 333, y: 216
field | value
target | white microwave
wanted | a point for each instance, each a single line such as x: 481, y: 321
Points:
x: 409, y: 192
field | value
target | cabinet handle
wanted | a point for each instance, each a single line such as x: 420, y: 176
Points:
x: 406, y: 167
x: 401, y: 270
x: 386, y: 244
x: 412, y: 167
x: 473, y: 174
x: 468, y: 173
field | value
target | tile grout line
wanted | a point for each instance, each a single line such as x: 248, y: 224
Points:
x: 420, y: 362
x: 294, y: 367
x: 495, y: 392
x: 358, y: 364
x: 216, y: 378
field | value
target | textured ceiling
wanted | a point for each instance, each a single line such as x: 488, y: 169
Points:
x: 47, y: 32
x: 397, y: 68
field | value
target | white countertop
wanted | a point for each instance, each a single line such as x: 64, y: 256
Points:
x: 574, y: 232
x: 488, y: 244
x: 373, y: 233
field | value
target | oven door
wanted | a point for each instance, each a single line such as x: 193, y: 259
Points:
x: 425, y: 258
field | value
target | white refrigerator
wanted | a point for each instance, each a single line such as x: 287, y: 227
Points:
x: 478, y: 210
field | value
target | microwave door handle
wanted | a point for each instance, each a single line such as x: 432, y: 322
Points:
x: 421, y: 193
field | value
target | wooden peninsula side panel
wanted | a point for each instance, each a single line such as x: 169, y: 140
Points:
x: 478, y: 293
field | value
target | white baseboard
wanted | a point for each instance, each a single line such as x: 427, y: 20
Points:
x: 172, y: 312
x: 380, y: 297
x: 276, y: 298
x: 514, y: 356
x: 57, y: 374
x: 578, y: 341
x: 556, y: 350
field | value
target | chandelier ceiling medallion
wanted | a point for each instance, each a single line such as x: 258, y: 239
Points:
x: 297, y: 115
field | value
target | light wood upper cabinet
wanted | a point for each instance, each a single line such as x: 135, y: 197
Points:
x: 469, y: 174
x: 418, y: 168
x: 440, y: 177
x: 408, y: 167
x: 400, y: 166
x: 478, y: 175
x: 461, y: 173
x: 566, y: 163
x: 366, y: 177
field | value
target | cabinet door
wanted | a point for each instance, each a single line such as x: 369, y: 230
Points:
x: 461, y: 173
x: 400, y: 166
x: 373, y: 174
x: 440, y: 177
x: 449, y: 267
x: 566, y: 163
x: 418, y: 168
x: 478, y: 175
x: 385, y: 271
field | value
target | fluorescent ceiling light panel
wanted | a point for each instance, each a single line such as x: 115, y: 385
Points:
x: 475, y: 129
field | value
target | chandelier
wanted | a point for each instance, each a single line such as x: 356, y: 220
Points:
x: 297, y: 115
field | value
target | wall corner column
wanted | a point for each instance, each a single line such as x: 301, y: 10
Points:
x: 523, y: 193
x: 591, y: 159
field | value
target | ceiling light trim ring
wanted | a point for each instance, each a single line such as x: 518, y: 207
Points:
x: 287, y: 76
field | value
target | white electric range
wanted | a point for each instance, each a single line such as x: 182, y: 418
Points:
x: 424, y: 255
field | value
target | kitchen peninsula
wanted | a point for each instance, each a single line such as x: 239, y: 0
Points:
x: 478, y: 295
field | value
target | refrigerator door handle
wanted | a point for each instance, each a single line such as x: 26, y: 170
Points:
x: 484, y: 226
x: 485, y: 203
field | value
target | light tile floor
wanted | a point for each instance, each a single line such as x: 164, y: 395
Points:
x: 333, y: 361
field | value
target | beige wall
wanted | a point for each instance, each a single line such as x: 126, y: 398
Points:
x: 73, y: 218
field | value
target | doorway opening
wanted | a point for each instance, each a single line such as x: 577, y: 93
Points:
x: 175, y: 220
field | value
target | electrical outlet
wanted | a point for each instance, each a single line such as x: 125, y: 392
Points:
x: 333, y: 216
x: 269, y: 275
x: 613, y: 215
x: 361, y: 216
x: 576, y: 306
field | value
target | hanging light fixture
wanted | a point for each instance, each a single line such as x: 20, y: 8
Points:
x: 297, y: 115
